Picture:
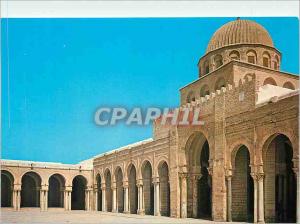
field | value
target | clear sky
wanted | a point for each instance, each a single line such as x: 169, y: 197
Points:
x: 62, y: 70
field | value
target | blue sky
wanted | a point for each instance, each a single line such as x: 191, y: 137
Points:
x: 62, y: 70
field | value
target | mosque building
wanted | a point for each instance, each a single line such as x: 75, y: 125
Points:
x: 241, y: 165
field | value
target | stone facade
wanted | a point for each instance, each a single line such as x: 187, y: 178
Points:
x: 241, y: 165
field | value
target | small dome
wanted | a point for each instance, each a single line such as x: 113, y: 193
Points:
x: 239, y: 32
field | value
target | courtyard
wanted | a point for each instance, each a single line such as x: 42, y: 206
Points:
x: 34, y: 215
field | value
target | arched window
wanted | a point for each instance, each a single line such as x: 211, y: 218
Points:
x: 251, y: 57
x: 276, y: 63
x: 220, y: 83
x: 204, y: 91
x: 270, y: 81
x: 206, y: 67
x: 288, y: 85
x: 234, y: 55
x: 218, y: 60
x: 190, y: 97
x: 266, y: 59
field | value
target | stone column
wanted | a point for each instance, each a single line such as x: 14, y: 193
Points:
x: 126, y: 197
x: 195, y: 194
x: 42, y: 200
x: 156, y: 197
x: 65, y: 200
x: 183, y: 194
x: 18, y: 200
x: 46, y: 200
x: 114, y: 197
x: 68, y: 197
x: 260, y: 179
x: 70, y: 200
x: 14, y: 199
x: 87, y: 199
x: 229, y: 197
x: 255, y: 195
x: 141, y: 208
x: 17, y: 197
x: 43, y: 197
x: 103, y: 188
x: 96, y: 198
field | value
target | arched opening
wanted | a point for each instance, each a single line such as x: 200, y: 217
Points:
x: 133, y: 192
x: 56, y: 191
x: 242, y: 187
x: 148, y: 188
x: 288, y: 85
x: 191, y: 97
x: 234, y: 55
x: 204, y: 91
x: 280, y: 181
x: 199, y: 188
x: 220, y: 83
x: 7, y: 184
x: 30, y: 190
x: 266, y: 60
x: 120, y: 191
x: 251, y: 57
x: 276, y: 63
x: 204, y: 185
x: 99, y: 190
x: 78, y: 193
x: 163, y: 172
x: 218, y: 61
x: 270, y: 81
x: 108, y: 191
x: 206, y: 67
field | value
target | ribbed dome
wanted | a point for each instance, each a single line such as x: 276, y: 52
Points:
x: 239, y: 32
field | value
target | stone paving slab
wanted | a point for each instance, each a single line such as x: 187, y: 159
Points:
x: 58, y: 216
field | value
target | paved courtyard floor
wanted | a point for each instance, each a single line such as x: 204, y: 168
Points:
x: 59, y: 216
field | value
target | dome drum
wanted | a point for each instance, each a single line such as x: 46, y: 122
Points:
x: 242, y: 52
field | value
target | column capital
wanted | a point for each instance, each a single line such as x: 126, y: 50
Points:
x: 17, y: 187
x: 139, y: 182
x: 196, y: 176
x: 228, y: 177
x: 68, y: 188
x: 89, y: 189
x: 183, y: 175
x: 260, y: 176
x: 44, y: 187
x: 228, y: 173
x: 125, y: 184
x: 155, y: 180
x: 254, y: 176
x: 114, y: 186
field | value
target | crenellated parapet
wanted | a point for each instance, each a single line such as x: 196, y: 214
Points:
x: 240, y: 94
